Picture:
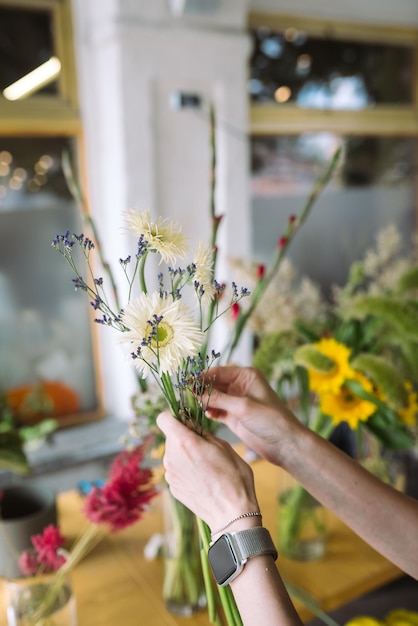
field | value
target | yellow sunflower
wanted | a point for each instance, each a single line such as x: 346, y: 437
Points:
x: 364, y: 620
x: 408, y: 415
x: 344, y: 406
x: 331, y: 382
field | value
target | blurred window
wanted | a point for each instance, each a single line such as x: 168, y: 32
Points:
x: 46, y: 335
x: 314, y: 86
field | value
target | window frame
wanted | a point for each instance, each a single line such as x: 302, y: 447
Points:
x: 56, y: 115
x: 47, y: 114
x: 381, y: 120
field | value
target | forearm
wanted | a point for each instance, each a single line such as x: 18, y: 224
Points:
x: 382, y: 516
x: 261, y: 595
x: 259, y: 591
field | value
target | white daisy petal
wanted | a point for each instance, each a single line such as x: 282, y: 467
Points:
x: 178, y: 333
x: 204, y: 272
x: 162, y: 236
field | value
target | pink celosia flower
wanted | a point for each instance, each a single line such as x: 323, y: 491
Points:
x: 45, y: 556
x: 123, y: 499
x: 28, y: 563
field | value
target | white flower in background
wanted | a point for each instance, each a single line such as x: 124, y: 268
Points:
x: 204, y: 273
x: 162, y: 333
x: 162, y: 236
x: 288, y: 297
x: 388, y: 245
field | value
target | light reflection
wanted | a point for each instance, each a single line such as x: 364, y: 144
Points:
x: 5, y: 157
x: 272, y: 47
x: 342, y: 93
x: 15, y: 184
x: 282, y: 94
x: 20, y: 173
x: 33, y: 186
x: 40, y: 179
x: 4, y: 169
x: 303, y: 63
x: 46, y: 161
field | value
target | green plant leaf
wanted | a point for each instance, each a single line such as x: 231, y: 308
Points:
x: 408, y: 281
x: 400, y: 314
x: 12, y: 455
x: 310, y: 357
x: 385, y: 376
x: 399, y: 438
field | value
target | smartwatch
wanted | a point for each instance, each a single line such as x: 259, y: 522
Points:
x: 228, y: 554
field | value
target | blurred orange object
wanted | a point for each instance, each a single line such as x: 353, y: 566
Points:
x: 31, y: 404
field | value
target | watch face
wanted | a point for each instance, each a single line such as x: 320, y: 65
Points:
x: 222, y: 560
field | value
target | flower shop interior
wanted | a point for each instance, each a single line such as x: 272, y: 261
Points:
x: 235, y: 119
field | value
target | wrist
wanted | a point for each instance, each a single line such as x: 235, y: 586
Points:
x: 243, y: 521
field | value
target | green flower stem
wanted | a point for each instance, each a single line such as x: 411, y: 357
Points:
x: 141, y: 274
x: 183, y: 583
x: 224, y: 594
x: 288, y: 236
x: 310, y: 603
x: 215, y: 222
x: 170, y: 394
x: 78, y: 198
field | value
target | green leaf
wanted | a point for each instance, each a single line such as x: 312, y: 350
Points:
x: 272, y: 349
x: 305, y: 332
x: 12, y: 455
x: 310, y: 357
x: 385, y: 376
x: 40, y: 431
x: 408, y: 281
x: 399, y: 438
x: 305, y: 395
x: 400, y: 314
x: 384, y: 423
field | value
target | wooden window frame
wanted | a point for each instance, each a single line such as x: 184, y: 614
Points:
x: 47, y: 114
x: 382, y: 120
x: 55, y: 115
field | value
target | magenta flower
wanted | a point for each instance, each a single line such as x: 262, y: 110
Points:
x: 44, y: 557
x: 125, y: 496
x: 119, y: 503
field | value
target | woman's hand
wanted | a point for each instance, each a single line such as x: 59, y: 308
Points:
x: 206, y: 474
x: 242, y: 399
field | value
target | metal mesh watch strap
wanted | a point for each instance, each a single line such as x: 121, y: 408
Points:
x: 254, y: 541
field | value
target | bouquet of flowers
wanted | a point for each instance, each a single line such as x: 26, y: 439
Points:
x: 166, y: 332
x: 163, y: 336
x: 349, y: 360
x: 44, y: 594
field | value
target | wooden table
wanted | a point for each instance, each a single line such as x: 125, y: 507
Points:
x: 115, y: 584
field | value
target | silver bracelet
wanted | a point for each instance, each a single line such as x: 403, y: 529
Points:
x: 234, y: 519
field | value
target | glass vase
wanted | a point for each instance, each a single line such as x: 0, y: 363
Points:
x: 45, y: 600
x: 183, y: 587
x: 302, y: 523
x: 386, y: 464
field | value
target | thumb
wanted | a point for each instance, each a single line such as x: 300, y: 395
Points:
x: 167, y: 423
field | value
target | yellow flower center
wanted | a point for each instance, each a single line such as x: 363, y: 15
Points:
x: 163, y: 334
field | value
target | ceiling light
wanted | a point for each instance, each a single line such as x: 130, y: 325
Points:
x: 33, y: 81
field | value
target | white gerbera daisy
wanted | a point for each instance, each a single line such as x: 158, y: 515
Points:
x: 162, y: 236
x: 176, y: 335
x: 204, y: 272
